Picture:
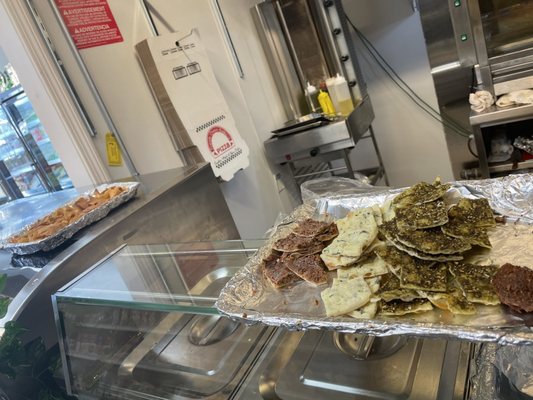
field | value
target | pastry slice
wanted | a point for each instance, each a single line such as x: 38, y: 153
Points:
x: 398, y: 307
x: 475, y: 212
x: 311, y: 228
x: 475, y: 282
x: 390, y: 290
x: 460, y: 228
x: 345, y: 297
x: 420, y: 193
x: 276, y: 272
x: 310, y: 268
x: 293, y: 243
x: 424, y: 275
x: 422, y: 216
x: 366, y: 269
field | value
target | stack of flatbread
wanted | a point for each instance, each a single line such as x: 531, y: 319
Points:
x: 426, y: 241
x: 351, y: 254
x: 296, y: 257
x: 401, y: 258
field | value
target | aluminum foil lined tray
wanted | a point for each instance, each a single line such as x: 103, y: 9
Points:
x: 68, y: 231
x: 249, y: 298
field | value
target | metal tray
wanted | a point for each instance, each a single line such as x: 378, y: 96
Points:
x: 247, y: 297
x: 65, y: 233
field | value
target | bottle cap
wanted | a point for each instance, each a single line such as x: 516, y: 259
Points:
x: 310, y: 89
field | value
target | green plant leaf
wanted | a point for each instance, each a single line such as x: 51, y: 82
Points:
x: 4, y: 304
x: 3, y: 281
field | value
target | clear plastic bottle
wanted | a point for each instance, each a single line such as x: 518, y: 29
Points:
x: 311, y: 93
x: 340, y: 94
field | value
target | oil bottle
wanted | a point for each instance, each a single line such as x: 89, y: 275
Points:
x: 340, y: 95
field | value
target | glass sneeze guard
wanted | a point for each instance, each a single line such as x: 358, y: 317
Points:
x: 183, y: 277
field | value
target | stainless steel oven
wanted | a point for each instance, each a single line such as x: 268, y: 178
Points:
x: 496, y: 38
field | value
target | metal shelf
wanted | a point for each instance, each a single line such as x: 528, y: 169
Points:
x: 496, y: 116
x: 508, y: 166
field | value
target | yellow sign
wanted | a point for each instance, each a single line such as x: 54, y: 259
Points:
x: 113, y: 150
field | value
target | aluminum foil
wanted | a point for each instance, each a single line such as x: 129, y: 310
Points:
x: 249, y: 298
x: 67, y: 232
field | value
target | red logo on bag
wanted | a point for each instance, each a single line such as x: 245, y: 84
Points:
x: 219, y: 141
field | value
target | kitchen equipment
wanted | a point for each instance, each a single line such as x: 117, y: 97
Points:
x: 309, y: 41
x: 495, y: 37
x: 312, y: 152
x: 142, y: 324
x: 479, y: 45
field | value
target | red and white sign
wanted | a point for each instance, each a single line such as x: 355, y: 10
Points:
x: 89, y: 22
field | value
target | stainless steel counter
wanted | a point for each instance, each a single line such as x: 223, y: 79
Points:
x: 184, y: 204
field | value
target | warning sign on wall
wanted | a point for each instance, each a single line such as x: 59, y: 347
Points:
x: 89, y: 22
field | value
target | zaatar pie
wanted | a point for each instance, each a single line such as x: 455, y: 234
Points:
x: 422, y: 216
x: 309, y: 267
x: 311, y: 228
x: 453, y: 300
x: 460, y: 228
x: 426, y: 256
x: 475, y: 282
x: 276, y: 272
x: 390, y: 231
x: 424, y: 275
x: 356, y: 232
x: 398, y: 307
x: 420, y: 193
x: 390, y: 290
x: 293, y: 243
x: 433, y: 241
x: 394, y: 258
x: 345, y: 296
x: 476, y: 212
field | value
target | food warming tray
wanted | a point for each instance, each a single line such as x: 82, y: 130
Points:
x: 59, y: 237
x: 247, y: 297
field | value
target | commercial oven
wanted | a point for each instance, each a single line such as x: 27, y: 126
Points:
x: 496, y: 38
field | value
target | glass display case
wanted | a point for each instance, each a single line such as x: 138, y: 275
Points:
x: 141, y: 324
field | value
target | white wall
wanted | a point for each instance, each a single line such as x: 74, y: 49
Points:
x: 411, y: 143
x: 253, y: 195
x: 121, y: 84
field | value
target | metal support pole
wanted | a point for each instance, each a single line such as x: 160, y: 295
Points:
x: 378, y: 154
